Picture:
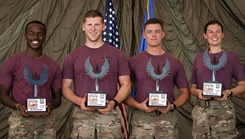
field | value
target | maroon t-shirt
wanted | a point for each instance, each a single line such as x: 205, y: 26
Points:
x: 144, y: 84
x: 13, y: 73
x: 232, y: 69
x: 74, y: 68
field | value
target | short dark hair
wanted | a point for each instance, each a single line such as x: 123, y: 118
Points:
x: 36, y: 22
x: 212, y: 22
x: 154, y: 21
x: 94, y: 13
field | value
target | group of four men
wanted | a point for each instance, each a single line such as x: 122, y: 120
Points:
x: 99, y: 69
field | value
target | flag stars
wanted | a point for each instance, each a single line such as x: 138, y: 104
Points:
x: 110, y: 34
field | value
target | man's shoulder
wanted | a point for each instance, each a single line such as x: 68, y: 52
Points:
x: 15, y: 57
x: 18, y: 54
x: 112, y: 48
x: 74, y: 53
x: 172, y: 58
x: 138, y: 56
x: 50, y: 59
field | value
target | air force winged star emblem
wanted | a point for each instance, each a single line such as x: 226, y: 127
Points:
x: 165, y: 70
x: 104, y: 69
x: 43, y: 77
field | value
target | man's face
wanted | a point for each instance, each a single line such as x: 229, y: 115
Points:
x: 214, y: 35
x: 153, y: 34
x: 35, y: 36
x: 93, y: 27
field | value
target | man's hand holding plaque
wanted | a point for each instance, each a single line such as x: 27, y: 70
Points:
x: 170, y: 107
x: 25, y: 113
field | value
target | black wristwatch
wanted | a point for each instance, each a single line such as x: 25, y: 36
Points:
x: 52, y: 106
x: 115, y: 103
x: 174, y: 108
x: 231, y: 94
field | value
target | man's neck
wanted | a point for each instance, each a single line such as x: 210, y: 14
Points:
x: 155, y: 50
x: 35, y: 55
x: 97, y: 44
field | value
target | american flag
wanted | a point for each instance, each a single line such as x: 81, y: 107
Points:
x: 111, y: 36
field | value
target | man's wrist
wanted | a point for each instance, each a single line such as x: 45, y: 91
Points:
x: 51, y: 105
x: 115, y: 103
x: 17, y: 106
x: 174, y: 107
x: 230, y: 93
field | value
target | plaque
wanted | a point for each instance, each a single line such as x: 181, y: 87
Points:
x: 158, y: 98
x: 96, y: 98
x: 36, y: 104
x: 212, y: 89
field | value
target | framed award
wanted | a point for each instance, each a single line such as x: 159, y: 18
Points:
x: 96, y: 99
x: 212, y: 89
x: 36, y: 105
x: 157, y: 99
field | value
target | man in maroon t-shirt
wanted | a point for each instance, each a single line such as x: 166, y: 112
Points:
x: 96, y: 66
x: 154, y: 70
x: 31, y: 74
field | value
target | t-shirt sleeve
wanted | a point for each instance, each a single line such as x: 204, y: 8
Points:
x: 193, y: 79
x: 57, y: 78
x: 6, y: 73
x: 181, y: 79
x: 131, y: 66
x: 238, y: 71
x: 67, y: 69
x: 123, y: 66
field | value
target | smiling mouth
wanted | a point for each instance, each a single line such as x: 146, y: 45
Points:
x: 35, y: 42
x: 214, y: 39
x: 93, y: 33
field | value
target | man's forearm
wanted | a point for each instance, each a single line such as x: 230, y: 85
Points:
x: 71, y: 96
x: 123, y: 93
x: 9, y: 102
x: 183, y: 98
